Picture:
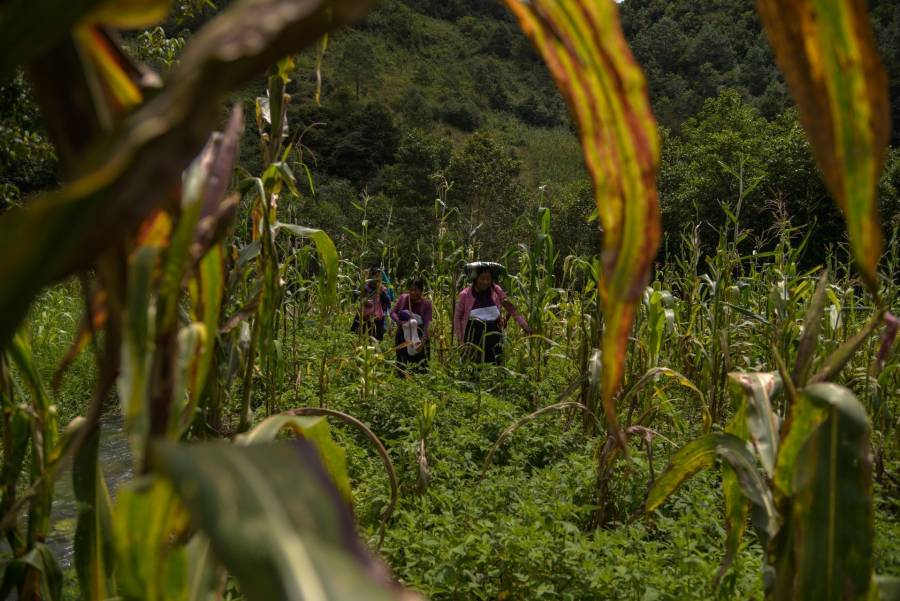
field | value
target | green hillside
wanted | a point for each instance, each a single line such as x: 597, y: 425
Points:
x: 405, y: 92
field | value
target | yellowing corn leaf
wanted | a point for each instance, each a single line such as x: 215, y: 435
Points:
x: 583, y: 45
x: 827, y: 52
x: 131, y: 14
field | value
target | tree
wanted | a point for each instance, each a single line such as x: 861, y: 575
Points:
x: 358, y: 62
x: 484, y: 175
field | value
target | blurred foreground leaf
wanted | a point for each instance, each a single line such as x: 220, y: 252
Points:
x: 827, y: 52
x: 275, y: 520
x: 585, y: 49
x: 125, y: 176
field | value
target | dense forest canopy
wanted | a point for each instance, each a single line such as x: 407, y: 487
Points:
x: 446, y: 99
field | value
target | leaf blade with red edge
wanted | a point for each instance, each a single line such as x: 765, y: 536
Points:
x: 827, y: 52
x: 586, y: 52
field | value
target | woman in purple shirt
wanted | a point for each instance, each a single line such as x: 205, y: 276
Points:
x: 412, y: 314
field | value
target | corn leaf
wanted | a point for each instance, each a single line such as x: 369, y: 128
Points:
x: 131, y: 14
x: 701, y: 454
x: 316, y: 431
x: 206, y: 290
x: 737, y: 506
x: 274, y: 519
x: 755, y: 391
x: 148, y: 518
x: 126, y: 176
x: 825, y: 469
x: 812, y: 323
x: 204, y: 574
x: 827, y: 52
x: 327, y: 255
x: 586, y: 52
x: 133, y: 382
x: 48, y: 584
x: 93, y: 532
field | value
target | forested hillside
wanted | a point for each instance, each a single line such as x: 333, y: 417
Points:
x: 433, y: 99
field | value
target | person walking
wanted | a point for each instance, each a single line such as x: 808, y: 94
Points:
x: 412, y: 313
x: 478, y: 321
x: 374, y: 304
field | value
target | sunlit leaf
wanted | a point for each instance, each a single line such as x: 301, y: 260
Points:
x: 131, y: 14
x: 149, y: 518
x: 207, y: 290
x: 133, y: 383
x: 812, y: 322
x: 327, y: 255
x: 827, y: 52
x: 583, y: 45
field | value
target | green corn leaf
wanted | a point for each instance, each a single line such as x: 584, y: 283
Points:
x: 586, y: 52
x: 314, y: 429
x: 701, y: 454
x: 834, y: 363
x: 204, y: 574
x: 824, y: 472
x: 327, y: 254
x: 207, y: 291
x: 192, y: 340
x: 14, y: 455
x: 20, y: 354
x: 148, y: 519
x: 133, y: 383
x: 124, y: 177
x: 737, y: 506
x: 756, y: 391
x: 93, y: 533
x: 827, y: 52
x: 274, y: 519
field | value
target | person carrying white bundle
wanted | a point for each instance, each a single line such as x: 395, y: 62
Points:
x: 412, y: 313
x: 411, y: 334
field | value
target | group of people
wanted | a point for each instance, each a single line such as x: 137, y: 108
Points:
x: 478, y: 319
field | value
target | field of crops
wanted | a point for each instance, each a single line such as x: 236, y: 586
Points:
x: 188, y: 415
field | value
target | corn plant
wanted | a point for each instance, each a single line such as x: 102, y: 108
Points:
x: 843, y: 106
x: 536, y: 285
x: 155, y: 245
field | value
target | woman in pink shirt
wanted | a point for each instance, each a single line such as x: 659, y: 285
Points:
x: 413, y: 349
x: 477, y: 320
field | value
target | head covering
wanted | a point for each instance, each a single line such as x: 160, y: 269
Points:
x: 476, y: 267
